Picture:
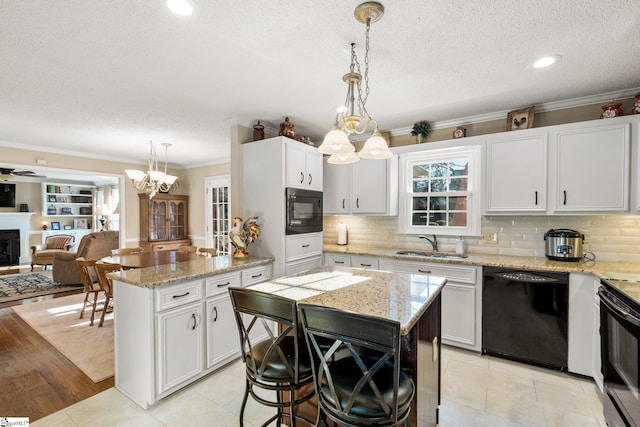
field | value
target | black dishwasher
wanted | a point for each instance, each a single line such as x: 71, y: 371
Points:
x: 525, y: 316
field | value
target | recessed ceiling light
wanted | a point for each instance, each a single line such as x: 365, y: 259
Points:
x: 546, y: 61
x: 182, y: 7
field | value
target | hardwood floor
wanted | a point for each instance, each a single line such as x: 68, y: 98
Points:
x: 37, y: 380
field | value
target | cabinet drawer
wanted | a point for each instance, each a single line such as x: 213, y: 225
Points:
x: 337, y: 260
x: 453, y: 273
x: 169, y: 245
x: 220, y: 283
x: 359, y: 261
x: 303, y: 246
x: 175, y: 295
x: 254, y: 275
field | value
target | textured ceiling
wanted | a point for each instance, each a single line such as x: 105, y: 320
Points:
x: 105, y: 77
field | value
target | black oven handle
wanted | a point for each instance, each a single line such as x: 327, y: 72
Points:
x: 618, y: 308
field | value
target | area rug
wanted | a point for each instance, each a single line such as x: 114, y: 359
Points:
x: 29, y: 285
x: 90, y: 348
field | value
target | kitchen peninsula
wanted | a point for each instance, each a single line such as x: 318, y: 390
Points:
x: 174, y: 323
x: 413, y: 300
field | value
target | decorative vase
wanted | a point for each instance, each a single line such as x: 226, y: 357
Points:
x: 258, y: 131
x: 611, y: 110
x: 636, y: 106
x: 419, y: 138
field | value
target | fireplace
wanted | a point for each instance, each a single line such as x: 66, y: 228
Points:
x: 9, y: 247
x: 17, y: 221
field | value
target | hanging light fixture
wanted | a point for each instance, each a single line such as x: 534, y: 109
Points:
x: 153, y: 181
x: 353, y: 117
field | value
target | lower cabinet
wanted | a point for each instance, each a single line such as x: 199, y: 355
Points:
x: 179, y: 345
x: 461, y: 299
x: 356, y: 261
x: 169, y: 336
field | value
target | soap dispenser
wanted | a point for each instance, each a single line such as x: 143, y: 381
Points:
x: 460, y: 246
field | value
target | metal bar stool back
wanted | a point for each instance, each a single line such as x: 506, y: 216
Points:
x: 357, y: 377
x: 279, y: 363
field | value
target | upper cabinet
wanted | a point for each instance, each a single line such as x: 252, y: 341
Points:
x: 516, y: 172
x: 592, y: 168
x: 367, y: 187
x: 572, y: 169
x: 303, y: 166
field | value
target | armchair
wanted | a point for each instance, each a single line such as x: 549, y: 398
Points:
x: 43, y: 254
x: 92, y: 247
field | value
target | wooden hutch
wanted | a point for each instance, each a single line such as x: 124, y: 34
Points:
x: 163, y: 222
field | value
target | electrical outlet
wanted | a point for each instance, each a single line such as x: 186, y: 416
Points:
x: 491, y: 237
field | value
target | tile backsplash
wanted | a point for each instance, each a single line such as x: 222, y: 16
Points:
x: 609, y: 237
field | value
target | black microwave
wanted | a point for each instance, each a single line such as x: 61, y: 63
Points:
x: 304, y: 211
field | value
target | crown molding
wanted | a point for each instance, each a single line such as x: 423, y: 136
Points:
x: 539, y: 108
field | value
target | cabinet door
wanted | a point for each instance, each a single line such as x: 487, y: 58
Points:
x: 337, y: 189
x: 223, y: 342
x: 314, y: 169
x: 369, y: 186
x: 593, y: 169
x: 179, y: 346
x: 158, y: 220
x: 295, y: 165
x: 366, y: 262
x: 177, y: 219
x: 459, y: 314
x: 516, y: 175
x: 296, y: 267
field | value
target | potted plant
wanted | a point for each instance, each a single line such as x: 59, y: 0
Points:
x: 421, y: 131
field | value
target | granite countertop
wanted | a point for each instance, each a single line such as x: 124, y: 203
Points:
x: 397, y: 296
x: 151, y: 277
x: 598, y: 268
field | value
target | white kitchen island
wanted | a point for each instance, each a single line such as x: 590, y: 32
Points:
x: 174, y: 323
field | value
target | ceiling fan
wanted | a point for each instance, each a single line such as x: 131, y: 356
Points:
x: 6, y: 174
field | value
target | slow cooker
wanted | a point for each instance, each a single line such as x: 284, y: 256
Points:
x: 563, y: 244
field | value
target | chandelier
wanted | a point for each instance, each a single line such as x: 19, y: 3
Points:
x: 152, y: 181
x: 353, y: 118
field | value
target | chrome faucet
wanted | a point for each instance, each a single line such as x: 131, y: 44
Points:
x: 433, y: 241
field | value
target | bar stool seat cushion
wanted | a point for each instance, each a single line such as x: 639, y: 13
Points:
x: 366, y: 403
x: 275, y: 369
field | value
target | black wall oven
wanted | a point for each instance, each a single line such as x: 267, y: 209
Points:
x: 619, y: 334
x: 304, y: 211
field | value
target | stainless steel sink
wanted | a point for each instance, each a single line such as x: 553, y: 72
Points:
x: 435, y: 255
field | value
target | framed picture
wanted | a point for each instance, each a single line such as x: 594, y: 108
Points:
x: 51, y: 198
x: 520, y: 119
x: 68, y: 227
x: 80, y: 224
x: 55, y: 225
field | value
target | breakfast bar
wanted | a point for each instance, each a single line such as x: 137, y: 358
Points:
x: 413, y: 300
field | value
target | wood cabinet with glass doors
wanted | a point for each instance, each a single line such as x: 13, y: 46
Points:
x: 163, y: 222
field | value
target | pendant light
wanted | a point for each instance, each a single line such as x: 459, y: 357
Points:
x: 354, y: 117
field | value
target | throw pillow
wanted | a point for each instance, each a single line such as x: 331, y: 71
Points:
x: 58, y: 242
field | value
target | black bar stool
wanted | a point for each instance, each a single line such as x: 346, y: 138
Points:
x: 364, y: 386
x: 280, y: 363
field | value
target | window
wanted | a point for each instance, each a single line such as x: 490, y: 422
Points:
x: 439, y: 191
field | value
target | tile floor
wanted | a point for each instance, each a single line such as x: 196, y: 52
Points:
x: 476, y: 391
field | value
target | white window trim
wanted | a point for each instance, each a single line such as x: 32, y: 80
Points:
x: 474, y: 219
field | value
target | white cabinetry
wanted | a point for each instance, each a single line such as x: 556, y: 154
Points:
x: 337, y: 260
x: 367, y: 262
x: 169, y: 336
x: 516, y: 172
x: 461, y: 299
x: 303, y: 167
x: 223, y: 343
x: 592, y: 168
x: 268, y: 167
x: 584, y: 345
x: 356, y: 261
x: 303, y: 252
x: 570, y: 169
x: 179, y: 345
x: 367, y: 187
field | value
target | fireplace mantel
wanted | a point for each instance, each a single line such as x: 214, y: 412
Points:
x: 19, y: 221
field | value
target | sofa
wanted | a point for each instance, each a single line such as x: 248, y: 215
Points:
x: 92, y: 247
x: 43, y: 254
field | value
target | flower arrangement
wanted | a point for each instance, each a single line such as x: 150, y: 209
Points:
x: 421, y: 130
x: 242, y: 234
